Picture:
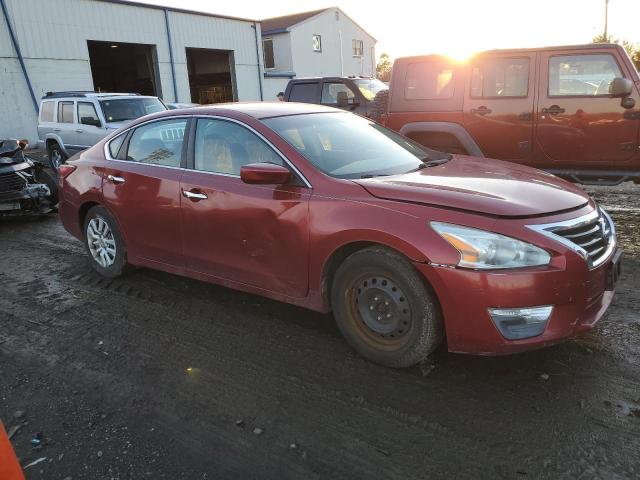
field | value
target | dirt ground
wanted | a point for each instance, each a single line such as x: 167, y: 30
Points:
x: 157, y: 376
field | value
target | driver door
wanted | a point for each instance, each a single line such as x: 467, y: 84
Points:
x: 577, y: 123
x: 255, y: 235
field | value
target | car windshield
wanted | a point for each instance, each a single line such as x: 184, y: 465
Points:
x: 370, y: 86
x: 344, y: 145
x: 130, y: 108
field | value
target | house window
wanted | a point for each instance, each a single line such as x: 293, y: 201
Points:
x: 317, y: 43
x: 267, y: 51
x: 358, y: 47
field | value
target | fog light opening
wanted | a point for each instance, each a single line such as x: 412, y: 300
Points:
x: 519, y: 323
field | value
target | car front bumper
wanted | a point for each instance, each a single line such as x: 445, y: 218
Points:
x: 579, y: 297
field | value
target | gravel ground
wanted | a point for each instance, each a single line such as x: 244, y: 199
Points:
x: 157, y: 376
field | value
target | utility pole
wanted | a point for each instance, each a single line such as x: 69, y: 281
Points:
x: 606, y: 19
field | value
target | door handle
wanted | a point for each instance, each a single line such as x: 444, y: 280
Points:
x: 553, y: 110
x: 79, y: 130
x: 114, y: 179
x: 480, y: 110
x: 195, y: 196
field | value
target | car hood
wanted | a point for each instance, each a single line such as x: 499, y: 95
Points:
x: 491, y: 187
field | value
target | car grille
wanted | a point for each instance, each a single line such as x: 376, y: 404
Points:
x: 592, y: 236
x: 12, y: 182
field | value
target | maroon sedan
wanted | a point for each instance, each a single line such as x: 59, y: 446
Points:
x: 321, y: 208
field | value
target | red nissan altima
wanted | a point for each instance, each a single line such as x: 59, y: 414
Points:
x: 321, y: 208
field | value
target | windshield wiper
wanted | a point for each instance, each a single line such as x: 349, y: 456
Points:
x: 372, y: 175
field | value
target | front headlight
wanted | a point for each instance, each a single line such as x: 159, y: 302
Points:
x: 486, y: 250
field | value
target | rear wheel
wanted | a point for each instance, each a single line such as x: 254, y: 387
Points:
x: 103, y: 243
x: 383, y: 308
x: 56, y: 156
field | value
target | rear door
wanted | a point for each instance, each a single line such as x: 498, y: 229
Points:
x: 499, y: 103
x: 304, y: 92
x: 256, y: 235
x: 142, y: 189
x: 579, y: 125
x: 66, y: 126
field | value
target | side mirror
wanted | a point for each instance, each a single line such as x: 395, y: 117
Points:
x: 264, y: 174
x: 90, y: 121
x: 620, y: 87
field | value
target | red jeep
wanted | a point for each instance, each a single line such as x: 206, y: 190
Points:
x: 572, y: 111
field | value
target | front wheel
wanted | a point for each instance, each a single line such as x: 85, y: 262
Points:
x: 103, y: 243
x: 383, y: 308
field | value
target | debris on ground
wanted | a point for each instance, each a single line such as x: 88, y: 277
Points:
x: 426, y: 367
x: 257, y: 431
x: 19, y: 414
x: 544, y: 376
x: 36, y: 439
x: 35, y: 462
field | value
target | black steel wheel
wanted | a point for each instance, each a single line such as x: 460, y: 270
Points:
x: 384, y: 308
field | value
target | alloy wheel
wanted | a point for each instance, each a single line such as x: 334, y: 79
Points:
x: 101, y: 242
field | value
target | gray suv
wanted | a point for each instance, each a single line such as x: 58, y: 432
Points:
x: 73, y: 121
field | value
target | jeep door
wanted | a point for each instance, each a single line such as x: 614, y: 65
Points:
x: 499, y: 103
x: 578, y: 124
x: 66, y: 126
x: 89, y: 129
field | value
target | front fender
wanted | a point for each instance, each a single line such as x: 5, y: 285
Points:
x: 58, y: 140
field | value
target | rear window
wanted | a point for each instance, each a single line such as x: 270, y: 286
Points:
x: 65, y: 112
x: 429, y: 81
x: 115, y: 144
x: 121, y: 110
x: 304, y: 92
x: 46, y: 112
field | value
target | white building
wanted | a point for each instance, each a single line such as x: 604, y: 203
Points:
x: 320, y: 43
x: 115, y: 45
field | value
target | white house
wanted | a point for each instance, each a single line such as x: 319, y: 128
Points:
x: 319, y: 43
x: 118, y: 45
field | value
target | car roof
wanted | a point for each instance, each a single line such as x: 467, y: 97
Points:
x: 260, y: 110
x: 346, y: 77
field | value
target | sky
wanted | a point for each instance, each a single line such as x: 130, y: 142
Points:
x: 454, y: 27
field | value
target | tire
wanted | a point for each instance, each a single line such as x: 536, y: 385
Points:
x: 56, y: 156
x: 377, y: 283
x: 379, y: 105
x: 116, y: 264
x: 49, y: 181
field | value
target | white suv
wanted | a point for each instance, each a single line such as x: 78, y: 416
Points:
x: 73, y: 121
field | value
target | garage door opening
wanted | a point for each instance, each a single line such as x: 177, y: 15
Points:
x: 124, y: 67
x: 211, y: 78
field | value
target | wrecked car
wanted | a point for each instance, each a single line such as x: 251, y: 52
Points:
x: 25, y: 187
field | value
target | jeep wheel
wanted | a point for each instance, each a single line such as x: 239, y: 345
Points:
x: 56, y: 156
x: 384, y: 309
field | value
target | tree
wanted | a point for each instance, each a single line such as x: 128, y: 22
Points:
x: 633, y: 49
x: 383, y: 69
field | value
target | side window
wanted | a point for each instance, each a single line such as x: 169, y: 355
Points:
x: 500, y: 77
x: 158, y: 143
x: 316, y: 42
x: 46, y: 112
x: 267, y: 51
x: 580, y: 75
x: 304, y: 92
x: 224, y: 147
x: 428, y: 81
x: 330, y: 92
x: 87, y: 114
x: 65, y: 112
x: 115, y: 144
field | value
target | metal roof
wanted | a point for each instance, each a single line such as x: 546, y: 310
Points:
x: 281, y: 24
x: 178, y: 10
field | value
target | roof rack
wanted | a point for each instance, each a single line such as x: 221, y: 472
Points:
x: 82, y: 94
